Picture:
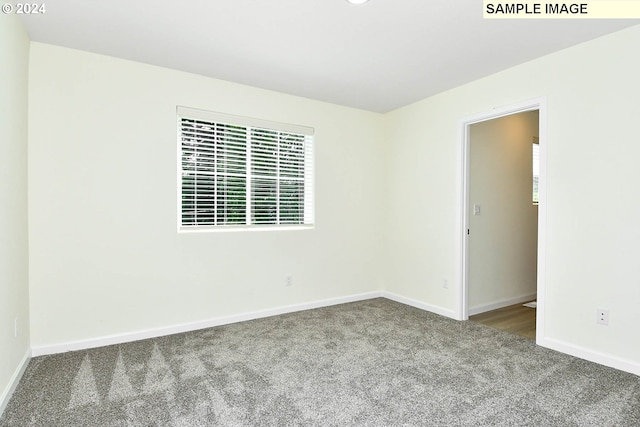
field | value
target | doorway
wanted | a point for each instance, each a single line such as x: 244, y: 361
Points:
x: 502, y: 229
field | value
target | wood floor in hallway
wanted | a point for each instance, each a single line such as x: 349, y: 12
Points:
x: 515, y: 319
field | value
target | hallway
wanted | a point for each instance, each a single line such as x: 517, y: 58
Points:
x: 515, y: 319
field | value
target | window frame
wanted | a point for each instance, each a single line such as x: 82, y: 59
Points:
x: 252, y: 127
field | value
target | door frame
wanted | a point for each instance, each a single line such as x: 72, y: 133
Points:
x: 539, y: 104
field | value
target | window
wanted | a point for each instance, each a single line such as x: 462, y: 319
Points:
x: 536, y: 169
x: 243, y: 172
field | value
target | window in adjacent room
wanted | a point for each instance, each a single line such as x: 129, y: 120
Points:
x: 536, y: 169
x: 238, y: 172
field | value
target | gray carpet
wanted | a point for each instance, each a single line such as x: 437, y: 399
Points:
x: 373, y: 363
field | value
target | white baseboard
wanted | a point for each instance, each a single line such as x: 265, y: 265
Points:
x: 570, y: 349
x: 13, y: 382
x: 501, y: 303
x: 192, y: 326
x: 591, y: 355
x: 419, y: 304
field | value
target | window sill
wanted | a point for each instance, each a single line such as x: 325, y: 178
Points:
x: 242, y: 228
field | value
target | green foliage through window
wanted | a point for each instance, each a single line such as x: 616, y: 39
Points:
x: 243, y: 175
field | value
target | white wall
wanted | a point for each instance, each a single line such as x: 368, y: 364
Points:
x: 592, y: 207
x: 14, y: 303
x: 503, y: 237
x: 105, y: 257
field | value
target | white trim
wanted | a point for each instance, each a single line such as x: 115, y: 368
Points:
x: 542, y: 220
x: 242, y: 228
x: 572, y: 350
x: 192, y: 326
x: 463, y: 220
x: 500, y: 304
x: 590, y: 355
x: 539, y: 104
x: 13, y: 382
x: 419, y: 304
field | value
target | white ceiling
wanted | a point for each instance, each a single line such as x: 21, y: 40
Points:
x: 378, y: 56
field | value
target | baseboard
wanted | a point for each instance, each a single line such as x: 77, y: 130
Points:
x: 13, y: 382
x: 419, y: 304
x: 563, y: 347
x: 590, y: 355
x: 500, y: 304
x: 192, y: 326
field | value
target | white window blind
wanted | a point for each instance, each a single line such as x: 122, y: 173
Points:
x: 238, y: 171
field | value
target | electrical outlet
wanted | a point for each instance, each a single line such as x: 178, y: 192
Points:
x: 289, y: 281
x: 603, y: 317
x: 445, y: 283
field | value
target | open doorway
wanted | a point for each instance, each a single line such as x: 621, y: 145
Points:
x: 502, y: 220
x: 503, y: 223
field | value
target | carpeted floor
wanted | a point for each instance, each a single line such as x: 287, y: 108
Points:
x: 373, y: 363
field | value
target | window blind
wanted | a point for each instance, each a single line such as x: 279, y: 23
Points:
x: 237, y: 171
